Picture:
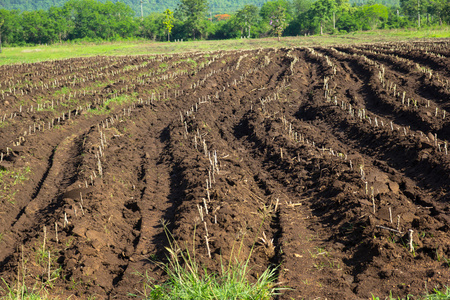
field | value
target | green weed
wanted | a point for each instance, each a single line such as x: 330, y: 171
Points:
x: 11, y: 178
x: 436, y: 295
x: 21, y: 292
x: 188, y: 280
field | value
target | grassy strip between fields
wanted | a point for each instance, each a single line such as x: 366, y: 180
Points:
x: 15, y: 55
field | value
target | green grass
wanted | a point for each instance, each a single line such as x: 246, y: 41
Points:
x: 13, y: 55
x: 437, y: 294
x: 11, y: 178
x: 21, y: 292
x: 111, y: 103
x: 188, y: 280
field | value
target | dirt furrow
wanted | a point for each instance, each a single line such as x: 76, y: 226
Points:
x: 61, y: 168
x: 299, y: 245
x: 159, y: 191
x: 381, y: 102
x: 424, y: 84
x: 438, y: 64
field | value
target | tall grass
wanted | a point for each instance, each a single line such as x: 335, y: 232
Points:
x: 188, y: 280
x: 21, y: 292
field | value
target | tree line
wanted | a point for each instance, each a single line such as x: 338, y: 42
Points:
x: 148, y: 6
x: 92, y: 20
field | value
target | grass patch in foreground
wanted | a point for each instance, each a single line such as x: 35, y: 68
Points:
x: 187, y: 280
x: 21, y: 292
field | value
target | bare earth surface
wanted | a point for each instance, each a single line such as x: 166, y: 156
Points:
x: 321, y: 160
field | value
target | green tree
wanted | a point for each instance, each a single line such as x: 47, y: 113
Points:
x: 301, y: 6
x: 414, y: 9
x: 446, y: 12
x: 227, y: 29
x: 194, y: 11
x: 151, y: 27
x: 61, y: 21
x: 280, y: 10
x: 38, y: 28
x: 375, y: 15
x: 122, y: 19
x: 348, y: 22
x: 437, y: 8
x: 168, y: 22
x: 1, y: 29
x: 278, y: 21
x: 94, y: 20
x: 271, y: 7
x: 300, y: 21
x: 395, y: 20
x: 11, y: 30
x: 322, y: 11
x: 246, y: 18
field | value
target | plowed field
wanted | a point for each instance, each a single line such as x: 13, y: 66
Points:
x: 331, y: 162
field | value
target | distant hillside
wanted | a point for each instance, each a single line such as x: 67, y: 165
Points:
x: 149, y: 6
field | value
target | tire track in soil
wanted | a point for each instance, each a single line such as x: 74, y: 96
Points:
x: 46, y: 194
x: 158, y: 194
x: 293, y: 239
x: 161, y: 190
x: 230, y: 112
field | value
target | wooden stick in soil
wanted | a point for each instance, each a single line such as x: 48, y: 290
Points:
x: 387, y: 228
x: 373, y: 204
x: 206, y: 207
x: 49, y: 265
x: 206, y: 228
x: 390, y: 214
x: 411, y: 246
x: 200, y: 211
x: 66, y: 221
x: 56, y: 232
x: 45, y: 238
x: 207, y: 246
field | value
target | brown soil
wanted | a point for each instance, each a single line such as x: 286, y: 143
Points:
x: 321, y: 160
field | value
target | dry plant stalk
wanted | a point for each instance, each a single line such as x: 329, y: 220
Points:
x: 411, y: 246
